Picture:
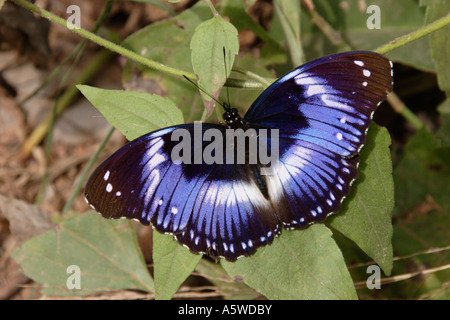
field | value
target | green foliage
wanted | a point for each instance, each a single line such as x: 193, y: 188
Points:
x: 366, y: 217
x: 106, y: 251
x: 308, y: 264
x: 213, y: 47
x: 297, y: 265
x: 135, y: 113
x: 173, y: 264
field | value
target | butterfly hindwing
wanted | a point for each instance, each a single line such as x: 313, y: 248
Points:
x: 231, y: 217
x: 312, y: 181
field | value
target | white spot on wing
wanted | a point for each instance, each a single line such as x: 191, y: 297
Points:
x: 359, y: 63
x: 316, y: 89
x: 109, y: 187
x: 366, y: 73
x: 305, y: 79
x: 329, y: 101
x: 106, y: 176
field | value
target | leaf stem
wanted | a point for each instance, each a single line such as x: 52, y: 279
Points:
x: 237, y: 83
x: 415, y: 35
x: 400, y: 107
x: 290, y: 23
x: 77, y: 52
x: 105, y: 43
x: 211, y: 6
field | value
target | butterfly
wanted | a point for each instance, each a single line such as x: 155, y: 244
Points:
x: 321, y: 112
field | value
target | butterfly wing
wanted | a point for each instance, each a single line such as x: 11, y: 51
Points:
x: 322, y: 110
x: 215, y: 209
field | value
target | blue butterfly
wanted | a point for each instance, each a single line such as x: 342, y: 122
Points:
x: 322, y: 111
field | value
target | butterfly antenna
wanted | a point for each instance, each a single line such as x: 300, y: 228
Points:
x: 226, y: 74
x: 204, y: 91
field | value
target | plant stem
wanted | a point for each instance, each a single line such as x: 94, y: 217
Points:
x: 237, y: 83
x: 289, y: 16
x: 415, y: 35
x: 78, y: 51
x: 105, y: 43
x: 400, y: 107
x: 211, y: 7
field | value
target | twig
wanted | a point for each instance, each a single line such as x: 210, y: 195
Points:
x: 415, y: 35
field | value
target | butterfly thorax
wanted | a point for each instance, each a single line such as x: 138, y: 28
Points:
x: 233, y: 120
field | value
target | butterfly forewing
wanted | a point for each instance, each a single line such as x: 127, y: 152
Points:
x: 328, y: 102
x: 216, y: 209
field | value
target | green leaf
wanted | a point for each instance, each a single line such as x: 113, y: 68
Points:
x: 173, y: 264
x: 304, y: 264
x: 442, y: 137
x: 207, y: 44
x: 365, y: 216
x: 106, y: 252
x: 288, y: 13
x: 440, y: 42
x: 168, y: 42
x: 133, y: 113
x: 230, y: 289
x: 235, y: 10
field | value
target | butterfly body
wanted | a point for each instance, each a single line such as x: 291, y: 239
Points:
x: 315, y: 117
